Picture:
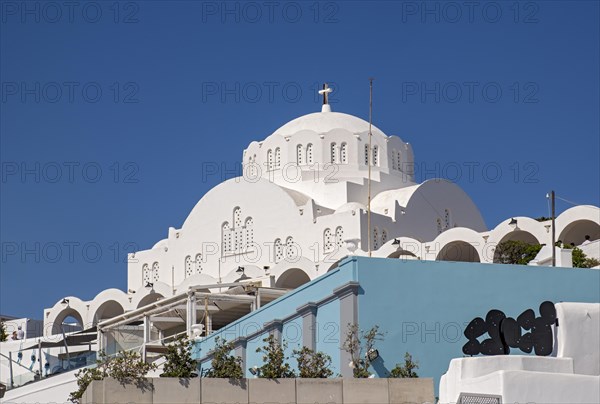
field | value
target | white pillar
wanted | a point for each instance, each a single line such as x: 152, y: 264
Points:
x: 191, y: 314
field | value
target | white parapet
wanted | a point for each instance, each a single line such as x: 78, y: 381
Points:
x: 571, y: 375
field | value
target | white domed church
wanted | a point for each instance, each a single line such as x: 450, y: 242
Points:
x: 301, y: 205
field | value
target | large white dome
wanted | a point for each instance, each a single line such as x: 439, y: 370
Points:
x: 323, y: 122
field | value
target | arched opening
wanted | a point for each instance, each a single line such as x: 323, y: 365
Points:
x: 68, y: 320
x: 520, y: 235
x: 516, y: 254
x: 292, y: 278
x: 575, y: 232
x: 150, y: 298
x: 458, y: 251
x: 108, y: 309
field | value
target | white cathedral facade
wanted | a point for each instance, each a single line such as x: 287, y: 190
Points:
x: 302, y: 204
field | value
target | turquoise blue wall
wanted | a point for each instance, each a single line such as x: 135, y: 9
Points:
x: 421, y: 306
x: 327, y: 320
x: 424, y: 306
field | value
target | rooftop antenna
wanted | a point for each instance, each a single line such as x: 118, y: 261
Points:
x: 369, y: 158
x: 552, y: 197
x: 325, y: 93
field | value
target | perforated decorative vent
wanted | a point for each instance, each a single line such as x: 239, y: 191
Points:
x: 277, y: 157
x: 270, y: 159
x: 146, y: 274
x: 278, y: 247
x: 375, y: 156
x: 155, y: 268
x: 344, y: 153
x: 375, y: 238
x: 327, y: 241
x: 339, y: 237
x: 291, y: 251
x: 299, y: 154
x: 198, y: 261
x: 188, y: 266
x: 333, y: 153
x: 309, y: 153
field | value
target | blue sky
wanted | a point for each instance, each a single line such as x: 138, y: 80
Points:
x: 110, y: 114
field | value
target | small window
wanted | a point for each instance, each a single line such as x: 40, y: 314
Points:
x: 394, y: 164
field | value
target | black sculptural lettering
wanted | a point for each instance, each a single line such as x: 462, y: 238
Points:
x: 506, y: 332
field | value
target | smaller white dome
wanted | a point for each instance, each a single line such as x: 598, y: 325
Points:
x: 350, y: 206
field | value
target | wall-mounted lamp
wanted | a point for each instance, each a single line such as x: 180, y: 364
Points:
x: 197, y: 330
x: 372, y: 354
x: 240, y: 271
x: 65, y: 302
x: 149, y: 285
x: 513, y: 223
x: 396, y: 242
x: 254, y: 370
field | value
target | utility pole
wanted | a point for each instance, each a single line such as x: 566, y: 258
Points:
x: 553, y: 229
x: 369, y: 159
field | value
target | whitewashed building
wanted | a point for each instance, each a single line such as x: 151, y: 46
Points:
x: 301, y: 205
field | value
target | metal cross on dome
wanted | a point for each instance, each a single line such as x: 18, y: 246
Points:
x: 325, y: 93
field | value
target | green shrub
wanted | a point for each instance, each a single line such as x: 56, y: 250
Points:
x: 125, y: 367
x: 515, y: 252
x: 313, y: 364
x: 358, y: 341
x: 406, y: 370
x: 275, y: 362
x: 179, y: 362
x: 223, y: 364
